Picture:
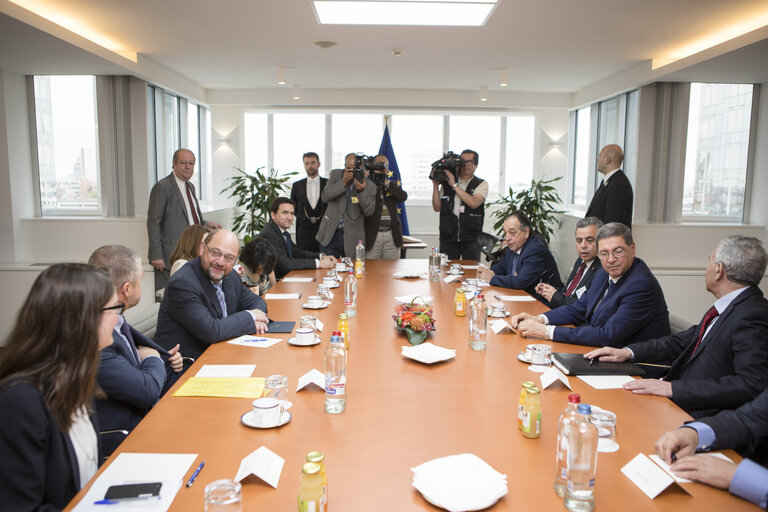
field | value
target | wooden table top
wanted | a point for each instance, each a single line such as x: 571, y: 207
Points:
x: 401, y: 413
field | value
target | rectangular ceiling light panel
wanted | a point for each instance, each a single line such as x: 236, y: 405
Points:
x: 446, y: 13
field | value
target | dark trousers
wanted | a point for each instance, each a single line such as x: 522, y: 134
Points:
x: 336, y: 246
x: 460, y: 250
x: 305, y: 238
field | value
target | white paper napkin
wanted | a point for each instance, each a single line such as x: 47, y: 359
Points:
x: 428, y: 353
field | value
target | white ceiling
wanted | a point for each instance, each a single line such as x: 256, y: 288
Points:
x: 549, y: 46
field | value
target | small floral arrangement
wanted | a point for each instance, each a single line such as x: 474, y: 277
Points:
x: 416, y: 319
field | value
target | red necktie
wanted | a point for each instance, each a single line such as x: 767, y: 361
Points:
x: 708, y: 317
x: 192, y: 204
x: 576, y: 280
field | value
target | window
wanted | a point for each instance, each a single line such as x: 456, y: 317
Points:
x: 716, y: 152
x: 67, y: 144
x: 481, y: 134
x: 256, y: 134
x: 417, y: 141
x: 581, y: 166
x: 294, y: 135
x: 519, y: 153
x: 355, y: 133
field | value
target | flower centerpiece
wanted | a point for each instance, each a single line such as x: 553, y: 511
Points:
x: 415, y: 319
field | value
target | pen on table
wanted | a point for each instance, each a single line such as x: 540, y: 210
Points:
x: 254, y: 340
x: 194, y: 475
x: 592, y: 361
x: 498, y: 298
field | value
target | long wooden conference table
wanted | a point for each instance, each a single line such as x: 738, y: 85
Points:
x: 401, y: 413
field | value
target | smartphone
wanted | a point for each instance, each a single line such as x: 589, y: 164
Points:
x: 133, y: 491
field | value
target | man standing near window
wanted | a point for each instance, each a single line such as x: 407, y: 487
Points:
x: 172, y: 208
x: 305, y: 194
x: 462, y: 209
x: 612, y: 201
x: 383, y: 232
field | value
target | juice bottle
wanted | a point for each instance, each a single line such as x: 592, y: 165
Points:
x: 319, y: 458
x: 310, y: 488
x: 532, y: 413
x: 359, y: 259
x: 343, y: 328
x: 460, y: 302
x: 523, y: 388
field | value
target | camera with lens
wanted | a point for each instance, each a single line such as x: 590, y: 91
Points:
x: 450, y: 162
x: 365, y: 163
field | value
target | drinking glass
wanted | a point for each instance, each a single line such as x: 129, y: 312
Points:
x: 605, y: 421
x: 223, y: 496
x: 275, y: 386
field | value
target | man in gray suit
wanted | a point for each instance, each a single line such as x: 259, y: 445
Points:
x: 172, y: 208
x: 349, y: 202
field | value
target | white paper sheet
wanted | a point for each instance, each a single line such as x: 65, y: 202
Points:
x: 298, y: 279
x: 552, y: 375
x: 500, y: 325
x: 313, y: 376
x: 168, y: 468
x: 470, y: 267
x: 319, y: 325
x: 647, y: 476
x: 517, y: 298
x: 606, y: 381
x: 226, y: 370
x: 663, y: 465
x: 250, y: 340
x: 451, y: 278
x: 264, y: 463
x: 282, y: 296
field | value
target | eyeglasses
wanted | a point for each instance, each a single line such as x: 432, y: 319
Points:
x: 617, y: 253
x: 117, y: 308
x: 229, y: 258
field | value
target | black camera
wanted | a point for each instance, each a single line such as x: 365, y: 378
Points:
x: 365, y: 163
x: 450, y: 162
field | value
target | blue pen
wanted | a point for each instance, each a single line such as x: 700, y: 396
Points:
x: 194, y: 475
x: 255, y: 340
x: 105, y: 502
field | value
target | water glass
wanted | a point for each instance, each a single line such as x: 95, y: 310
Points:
x: 275, y: 386
x: 605, y: 421
x: 308, y: 322
x: 323, y: 292
x: 223, y: 496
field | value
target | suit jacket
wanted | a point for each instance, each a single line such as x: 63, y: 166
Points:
x: 39, y: 469
x: 745, y: 428
x: 301, y: 259
x: 535, y: 264
x: 559, y: 298
x: 190, y: 313
x: 633, y: 310
x: 613, y: 201
x: 306, y: 230
x: 393, y: 195
x: 729, y: 368
x: 132, y: 388
x: 347, y: 203
x: 167, y: 218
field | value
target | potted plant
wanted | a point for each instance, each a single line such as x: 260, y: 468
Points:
x: 538, y: 203
x: 255, y: 193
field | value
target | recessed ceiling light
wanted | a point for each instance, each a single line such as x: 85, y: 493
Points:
x: 504, y: 77
x: 448, y: 13
x: 281, y: 76
x: 324, y: 44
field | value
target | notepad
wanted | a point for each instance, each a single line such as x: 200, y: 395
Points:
x: 282, y: 296
x: 222, y: 387
x: 298, y: 279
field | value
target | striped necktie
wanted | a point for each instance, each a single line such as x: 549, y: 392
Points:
x: 222, y: 301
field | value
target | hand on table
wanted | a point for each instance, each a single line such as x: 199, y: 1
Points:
x: 485, y: 273
x: 609, y: 354
x: 650, y: 387
x: 327, y: 261
x: 261, y: 327
x: 532, y: 328
x: 546, y: 290
x: 706, y: 469
x: 680, y: 442
x: 175, y: 360
x: 516, y: 319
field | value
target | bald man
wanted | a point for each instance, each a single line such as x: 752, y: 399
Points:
x: 612, y: 201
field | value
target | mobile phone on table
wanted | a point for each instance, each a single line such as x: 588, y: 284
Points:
x: 133, y: 491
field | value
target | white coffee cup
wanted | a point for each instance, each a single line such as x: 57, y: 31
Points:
x: 330, y: 282
x: 455, y: 268
x: 541, y: 355
x: 267, y: 411
x: 315, y: 301
x: 341, y: 267
x: 305, y: 335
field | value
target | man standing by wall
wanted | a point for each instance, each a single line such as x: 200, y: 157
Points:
x: 305, y: 194
x: 612, y: 201
x: 383, y: 232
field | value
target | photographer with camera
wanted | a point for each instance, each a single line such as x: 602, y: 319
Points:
x: 461, y: 204
x: 351, y: 197
x: 383, y: 232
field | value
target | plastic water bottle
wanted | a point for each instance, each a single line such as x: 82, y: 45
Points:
x: 335, y: 376
x: 582, y: 462
x: 434, y: 266
x: 350, y: 295
x: 359, y: 259
x: 478, y: 323
x: 568, y: 416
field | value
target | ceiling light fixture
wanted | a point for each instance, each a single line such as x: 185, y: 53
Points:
x: 483, y: 94
x: 324, y: 44
x: 445, y: 13
x: 504, y: 77
x: 281, y: 76
x: 296, y: 92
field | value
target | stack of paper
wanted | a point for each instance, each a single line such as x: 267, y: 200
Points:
x: 428, y: 353
x: 459, y: 482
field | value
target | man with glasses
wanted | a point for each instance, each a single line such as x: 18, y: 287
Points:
x: 624, y: 304
x: 205, y: 301
x: 722, y: 362
x: 134, y: 371
x: 462, y: 209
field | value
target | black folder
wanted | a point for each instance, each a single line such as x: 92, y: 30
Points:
x: 575, y: 364
x: 280, y: 327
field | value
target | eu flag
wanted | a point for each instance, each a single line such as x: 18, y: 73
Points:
x: 394, y: 174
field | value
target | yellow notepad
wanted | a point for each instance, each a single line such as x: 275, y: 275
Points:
x: 224, y: 387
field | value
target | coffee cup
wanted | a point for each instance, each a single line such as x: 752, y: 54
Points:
x: 305, y: 335
x: 455, y: 268
x: 498, y: 310
x: 541, y: 355
x: 340, y: 267
x: 330, y: 282
x: 314, y: 301
x: 267, y: 411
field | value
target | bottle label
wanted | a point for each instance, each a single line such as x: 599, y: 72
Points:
x: 526, y: 417
x: 308, y: 506
x: 335, y: 388
x: 591, y: 482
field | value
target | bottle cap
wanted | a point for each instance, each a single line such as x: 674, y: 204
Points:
x: 574, y: 398
x: 310, y: 468
x: 528, y: 384
x: 533, y: 390
x: 481, y: 296
x: 343, y: 316
x: 315, y: 457
x: 585, y: 409
x: 336, y: 332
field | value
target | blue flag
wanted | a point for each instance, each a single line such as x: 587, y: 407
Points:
x: 394, y: 175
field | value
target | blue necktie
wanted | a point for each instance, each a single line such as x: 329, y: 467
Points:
x: 222, y: 301
x: 287, y: 237
x: 125, y: 330
x: 515, y: 257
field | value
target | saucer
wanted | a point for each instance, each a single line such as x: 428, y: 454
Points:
x: 325, y: 304
x: 459, y: 273
x: 520, y: 357
x: 497, y: 316
x: 249, y: 420
x: 293, y: 341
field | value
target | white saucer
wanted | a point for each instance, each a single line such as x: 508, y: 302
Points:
x: 496, y: 316
x: 293, y: 341
x: 459, y: 273
x: 249, y: 420
x: 337, y: 285
x: 522, y: 357
x: 307, y: 306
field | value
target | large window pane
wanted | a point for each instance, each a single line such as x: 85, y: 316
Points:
x: 417, y: 142
x: 355, y: 133
x: 193, y: 144
x: 630, y: 138
x: 67, y: 143
x: 609, y: 121
x: 481, y: 134
x: 294, y: 135
x: 716, y: 151
x: 256, y: 137
x: 581, y: 158
x: 172, y: 138
x: 519, y: 153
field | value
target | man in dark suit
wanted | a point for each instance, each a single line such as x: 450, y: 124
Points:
x: 350, y: 201
x: 205, y: 301
x: 612, y: 201
x: 172, y: 208
x: 624, y: 304
x: 305, y: 195
x: 133, y: 372
x: 722, y: 362
x: 583, y: 270
x: 383, y: 232
x: 745, y: 428
x: 289, y: 255
x: 526, y: 262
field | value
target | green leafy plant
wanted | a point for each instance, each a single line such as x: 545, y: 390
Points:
x: 538, y: 203
x: 255, y: 193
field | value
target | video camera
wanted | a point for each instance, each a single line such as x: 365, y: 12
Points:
x: 365, y: 163
x: 450, y: 162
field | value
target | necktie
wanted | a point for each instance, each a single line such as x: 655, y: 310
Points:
x: 515, y: 257
x: 708, y: 317
x: 192, y: 204
x: 288, y: 243
x: 222, y: 301
x: 576, y: 280
x: 125, y: 330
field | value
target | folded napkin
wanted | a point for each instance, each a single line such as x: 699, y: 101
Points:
x: 428, y: 353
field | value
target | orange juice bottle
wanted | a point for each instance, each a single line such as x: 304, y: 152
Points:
x: 343, y: 328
